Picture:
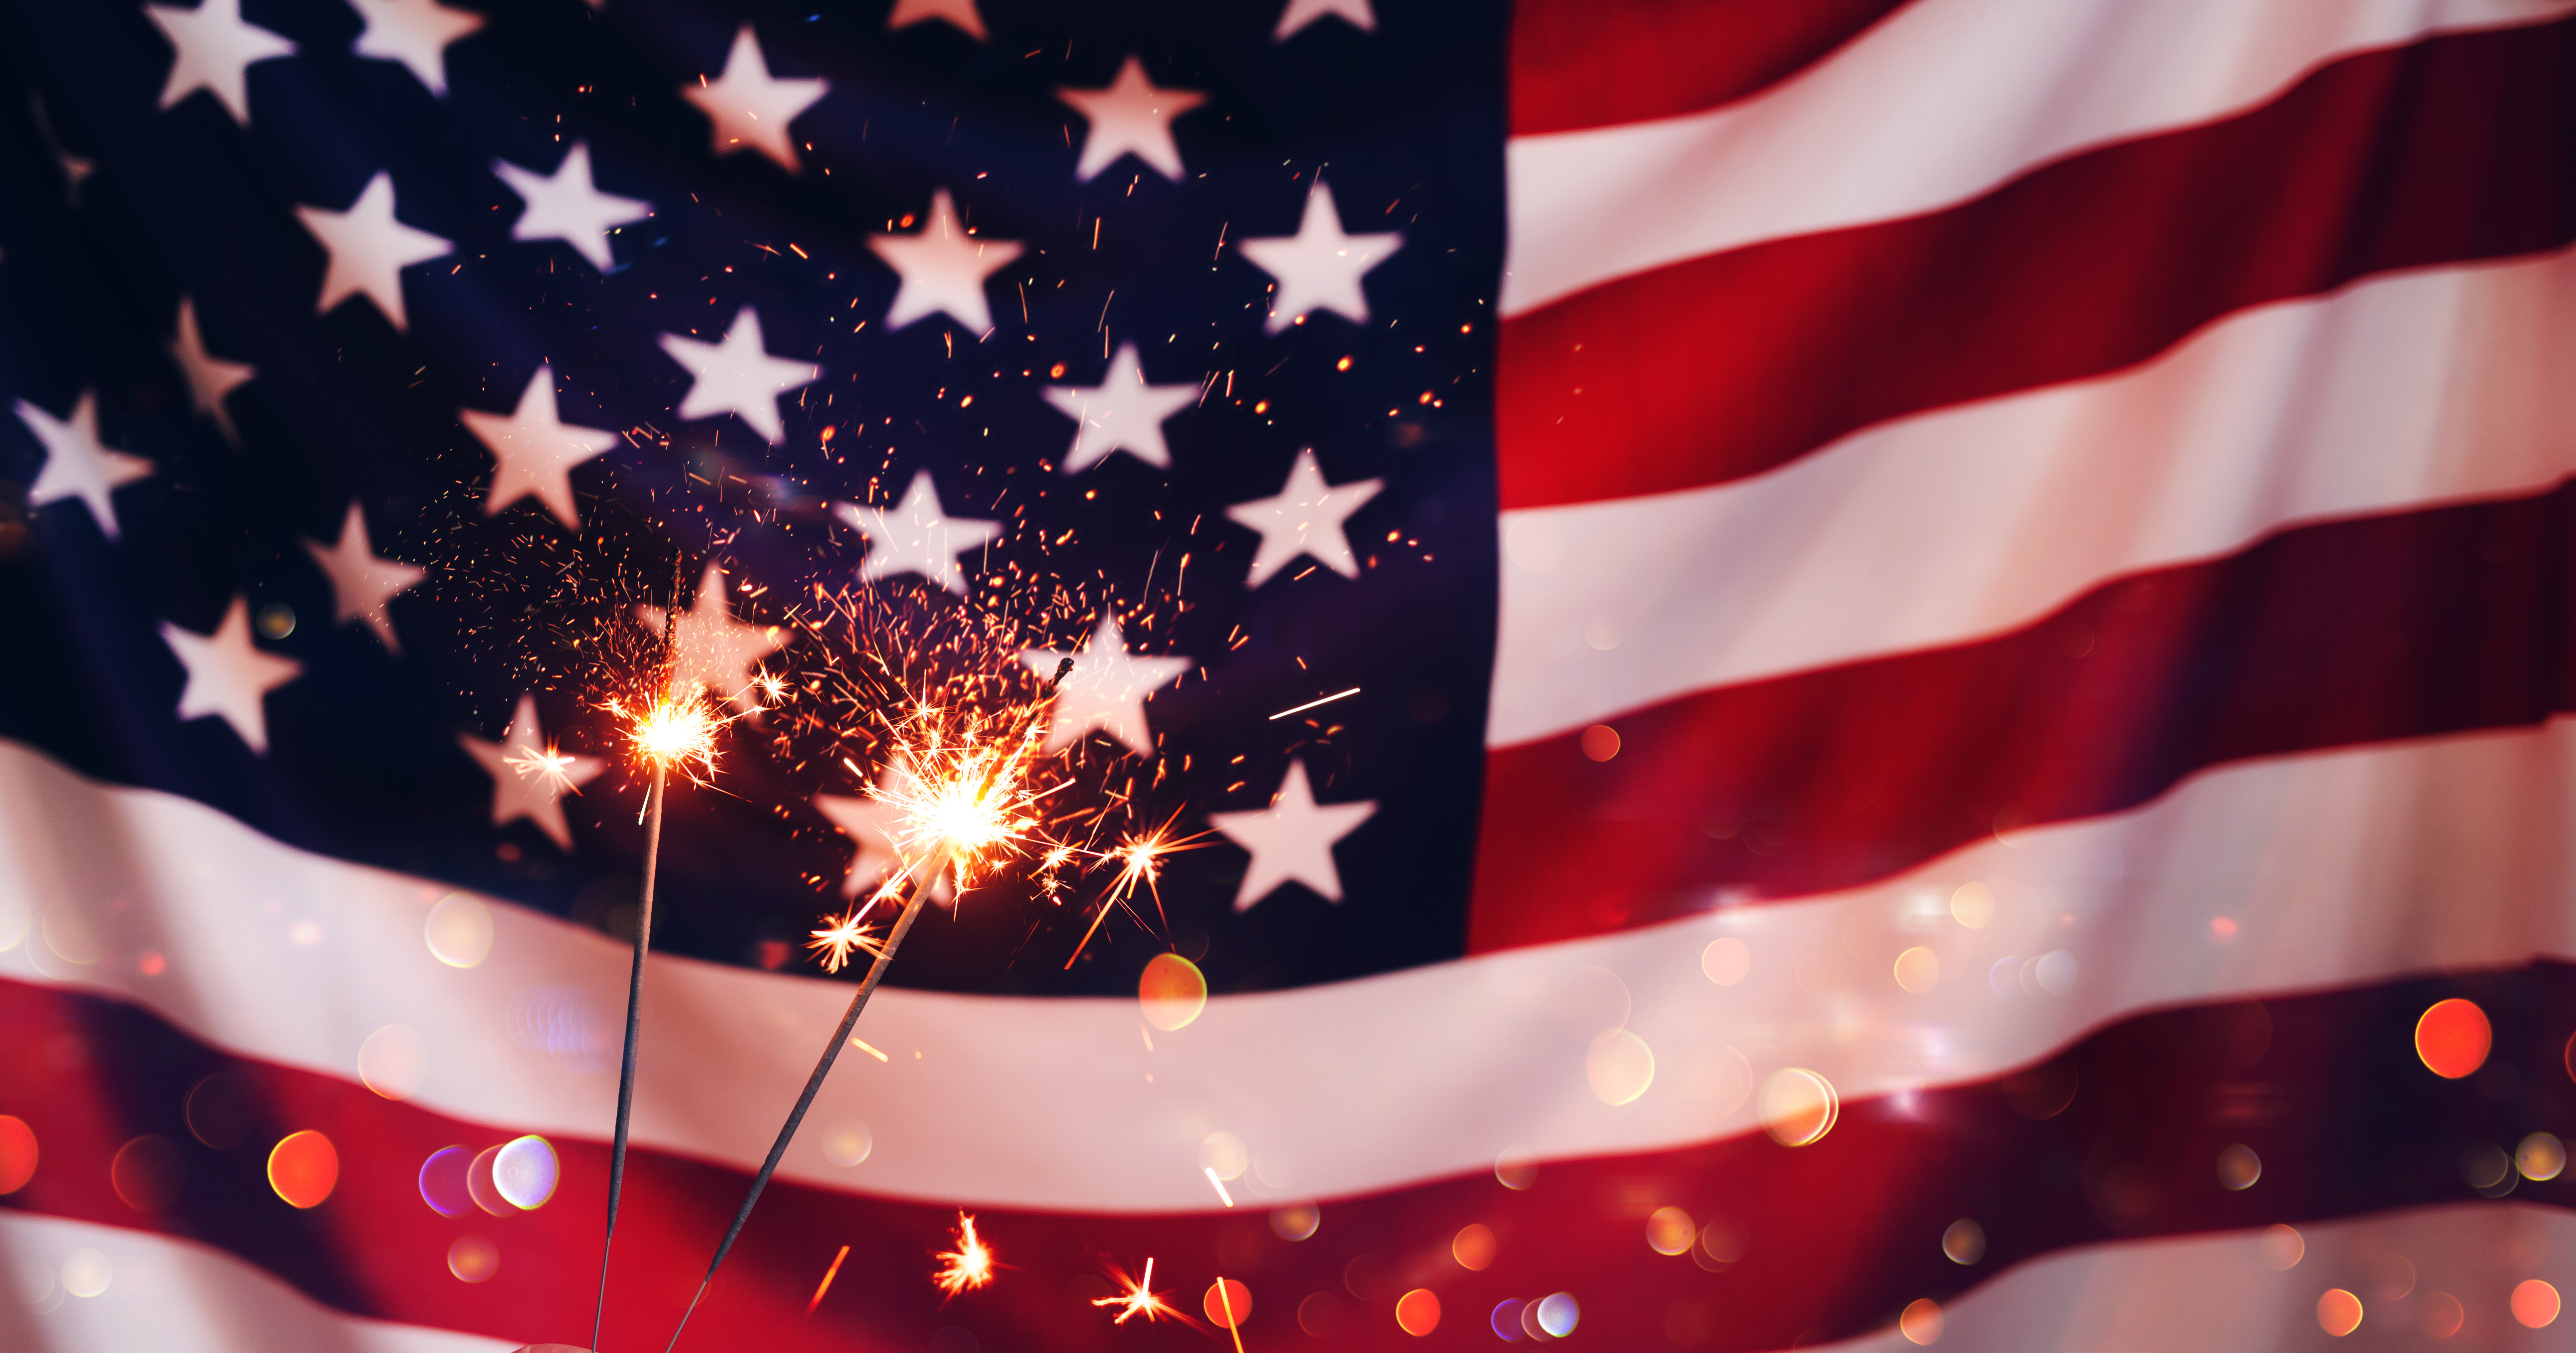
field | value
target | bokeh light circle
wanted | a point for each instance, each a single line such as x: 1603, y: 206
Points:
x: 1600, y: 742
x: 2239, y: 1168
x: 2284, y: 1247
x: 1558, y: 1315
x: 86, y: 1273
x: 525, y: 1172
x: 1224, y: 1153
x: 1418, y: 1312
x: 1964, y: 1242
x: 1228, y: 1303
x: 17, y: 1153
x: 146, y: 1173
x: 1173, y: 992
x: 1726, y: 961
x: 1473, y: 1247
x: 482, y: 1187
x: 393, y: 1062
x: 442, y: 1181
x: 2535, y: 1303
x: 2440, y: 1314
x: 849, y: 1143
x: 1921, y: 1321
x: 2338, y: 1312
x: 1507, y: 1319
x: 1972, y: 905
x: 1295, y: 1222
x: 2541, y: 1157
x: 1669, y: 1230
x: 1798, y: 1106
x: 459, y: 931
x: 2453, y: 1038
x: 303, y: 1168
x: 1917, y: 969
x: 1619, y: 1066
x: 472, y: 1259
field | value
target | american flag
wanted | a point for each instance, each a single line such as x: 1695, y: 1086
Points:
x: 1867, y: 672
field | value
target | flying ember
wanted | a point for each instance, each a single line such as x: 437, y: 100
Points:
x: 969, y: 1265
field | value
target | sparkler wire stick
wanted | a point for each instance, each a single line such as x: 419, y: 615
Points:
x: 919, y: 886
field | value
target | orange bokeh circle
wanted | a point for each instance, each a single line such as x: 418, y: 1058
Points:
x: 2453, y: 1038
x: 1418, y: 1312
x: 17, y: 1153
x: 304, y: 1168
x: 1228, y: 1303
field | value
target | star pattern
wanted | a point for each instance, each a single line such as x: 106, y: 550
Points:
x: 228, y: 676
x: 737, y: 375
x: 961, y: 13
x: 751, y: 107
x: 943, y: 269
x: 211, y: 379
x: 1300, y: 13
x: 415, y: 33
x: 869, y: 823
x: 362, y: 581
x: 1130, y: 117
x: 79, y: 465
x: 534, y: 450
x: 567, y: 205
x: 916, y: 535
x: 1107, y: 689
x: 1292, y: 840
x: 213, y: 50
x: 1306, y: 517
x: 711, y: 649
x: 1319, y: 267
x: 369, y: 249
x: 1121, y: 413
x: 529, y: 776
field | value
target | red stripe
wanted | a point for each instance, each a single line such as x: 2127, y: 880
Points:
x: 2405, y: 625
x: 1577, y: 64
x: 2451, y: 149
x: 1838, y: 1236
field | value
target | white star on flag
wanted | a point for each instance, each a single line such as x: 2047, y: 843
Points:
x: 227, y: 676
x: 958, y: 12
x: 369, y: 249
x: 751, y: 107
x: 1107, y: 689
x: 1308, y: 517
x: 1121, y: 413
x: 917, y: 536
x: 534, y: 451
x: 529, y: 777
x: 567, y: 205
x: 362, y: 581
x: 869, y: 823
x: 1300, y: 13
x: 211, y: 379
x: 1319, y: 267
x: 710, y: 649
x: 943, y: 269
x: 738, y: 376
x: 79, y: 465
x: 213, y: 50
x: 1292, y: 840
x: 415, y: 33
x: 1129, y: 116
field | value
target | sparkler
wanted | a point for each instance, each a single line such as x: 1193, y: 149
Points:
x: 957, y: 816
x: 1140, y: 1298
x: 969, y: 1265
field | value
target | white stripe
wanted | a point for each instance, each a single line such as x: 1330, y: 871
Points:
x: 168, y: 1295
x: 2403, y: 391
x: 1943, y: 101
x: 2322, y: 862
x: 2223, y: 1294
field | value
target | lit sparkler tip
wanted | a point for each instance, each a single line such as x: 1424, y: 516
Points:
x: 839, y: 937
x: 1139, y: 1298
x: 969, y: 1265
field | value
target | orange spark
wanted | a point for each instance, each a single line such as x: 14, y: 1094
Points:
x: 828, y: 1275
x: 969, y: 1265
x: 1139, y: 1298
x: 837, y: 939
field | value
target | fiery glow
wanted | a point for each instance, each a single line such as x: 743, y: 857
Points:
x: 549, y: 763
x: 1139, y: 1298
x: 838, y: 939
x: 969, y: 1265
x: 1140, y: 865
x: 679, y: 727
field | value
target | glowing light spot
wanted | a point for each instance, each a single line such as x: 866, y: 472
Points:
x: 2535, y: 1303
x: 1921, y: 1322
x: 2541, y: 1157
x: 1417, y: 1312
x: 1964, y: 1243
x: 1516, y: 1168
x: 969, y: 1265
x: 1726, y: 961
x: 1620, y: 1066
x: 2453, y: 1038
x: 2440, y: 1314
x: 86, y: 1273
x: 17, y: 1153
x: 2338, y: 1312
x: 459, y: 931
x: 303, y: 1168
x: 1173, y: 992
x: 482, y: 1187
x: 848, y: 1143
x: 393, y: 1062
x: 1797, y: 1106
x: 2054, y: 972
x: 1473, y: 1247
x: 1600, y: 742
x: 2238, y: 1168
x: 1558, y: 1315
x: 1670, y: 1231
x: 1228, y: 1303
x: 1973, y: 905
x: 525, y: 1171
x: 1224, y: 1155
x: 2486, y: 1166
x: 1917, y: 969
x: 472, y: 1259
x: 146, y: 1173
x: 442, y: 1181
x: 1296, y: 1222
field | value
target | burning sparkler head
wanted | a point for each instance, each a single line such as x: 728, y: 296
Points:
x: 969, y: 1265
x: 1137, y: 1297
x: 675, y: 728
x: 840, y: 936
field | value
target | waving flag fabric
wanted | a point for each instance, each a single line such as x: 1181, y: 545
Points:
x: 1940, y: 626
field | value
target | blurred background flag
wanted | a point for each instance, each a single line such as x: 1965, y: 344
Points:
x: 1873, y: 670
